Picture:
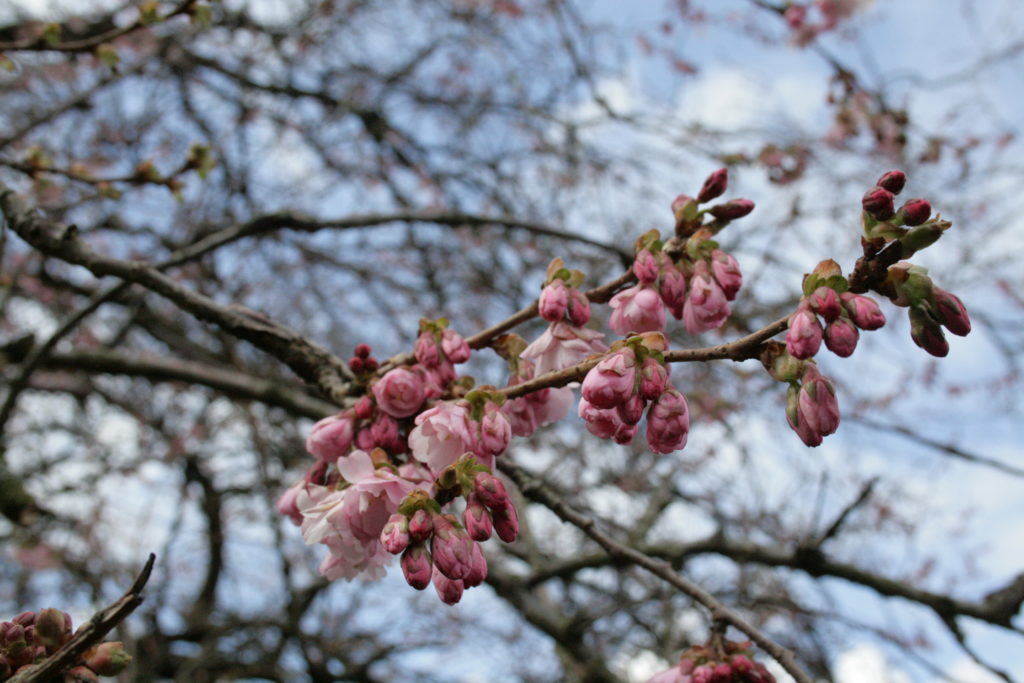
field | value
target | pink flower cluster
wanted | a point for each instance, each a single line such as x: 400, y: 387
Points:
x: 618, y: 389
x: 730, y: 663
x: 546, y: 406
x: 696, y: 292
x: 450, y: 429
x: 843, y: 314
x: 811, y: 406
x: 437, y: 549
x: 32, y: 637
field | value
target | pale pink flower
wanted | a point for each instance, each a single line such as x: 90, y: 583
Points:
x: 492, y: 434
x: 400, y: 392
x: 526, y: 413
x: 331, y: 437
x: 668, y: 422
x: 554, y: 301
x: 612, y: 381
x: 562, y: 346
x: 706, y: 305
x: 442, y: 434
x: 349, y: 523
x: 637, y: 309
x: 287, y: 504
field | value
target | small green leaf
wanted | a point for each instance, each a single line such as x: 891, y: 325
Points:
x: 108, y: 55
x: 51, y: 34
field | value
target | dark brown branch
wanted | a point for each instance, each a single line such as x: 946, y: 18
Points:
x: 535, y: 490
x: 89, y: 634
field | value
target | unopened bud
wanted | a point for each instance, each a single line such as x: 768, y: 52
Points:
x: 477, y: 519
x: 478, y: 568
x: 952, y: 313
x: 421, y: 526
x: 927, y: 333
x: 356, y: 365
x: 714, y: 186
x: 554, y: 301
x: 645, y: 267
x: 107, y: 659
x: 653, y: 379
x: 81, y: 674
x: 916, y: 211
x: 922, y: 236
x: 449, y: 590
x: 803, y: 339
x: 684, y: 207
x: 893, y: 181
x: 52, y: 628
x: 879, y: 203
x: 863, y: 310
x: 395, y: 535
x: 632, y: 410
x: 362, y: 350
x: 579, y: 307
x: 732, y: 209
x: 825, y: 302
x: 506, y: 522
x: 490, y: 490
x: 416, y: 566
x: 841, y: 337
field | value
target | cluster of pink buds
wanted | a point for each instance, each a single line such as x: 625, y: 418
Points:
x: 908, y: 285
x: 560, y: 299
x: 33, y: 636
x: 724, y: 662
x: 617, y: 391
x: 844, y: 314
x: 361, y: 362
x: 437, y: 548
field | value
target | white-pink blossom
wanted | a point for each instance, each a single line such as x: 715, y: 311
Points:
x: 637, y: 309
x: 562, y: 345
x: 442, y: 434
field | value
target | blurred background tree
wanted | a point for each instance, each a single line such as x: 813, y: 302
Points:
x: 343, y: 168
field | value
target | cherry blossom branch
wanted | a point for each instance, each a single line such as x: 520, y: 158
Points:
x: 535, y: 490
x: 743, y: 348
x: 89, y: 634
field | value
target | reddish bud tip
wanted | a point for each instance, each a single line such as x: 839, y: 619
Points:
x: 363, y: 350
x: 878, y: 202
x: 732, y: 209
x: 893, y: 181
x: 356, y: 365
x: 916, y: 211
x: 714, y: 186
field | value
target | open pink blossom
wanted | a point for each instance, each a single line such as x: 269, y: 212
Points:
x: 331, y: 437
x: 442, y: 434
x: 349, y: 524
x: 637, y: 309
x: 562, y: 345
x: 287, y: 504
x: 526, y: 413
x: 400, y: 392
x: 706, y: 305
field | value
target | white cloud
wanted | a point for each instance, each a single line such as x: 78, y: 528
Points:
x: 866, y: 663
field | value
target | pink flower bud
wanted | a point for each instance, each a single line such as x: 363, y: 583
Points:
x: 449, y: 590
x: 863, y: 310
x: 492, y: 435
x: 603, y: 423
x: 611, y: 381
x: 714, y: 186
x: 365, y: 440
x: 952, y: 313
x: 893, y: 181
x: 741, y: 664
x: 637, y: 309
x: 357, y: 365
x: 52, y: 628
x: 816, y: 410
x: 645, y: 267
x: 364, y: 408
x: 625, y: 434
x: 362, y: 350
x: 706, y: 305
x: 702, y: 674
x: 632, y: 410
x: 395, y: 534
x: 478, y: 568
x: 653, y: 379
x: 400, y: 392
x: 331, y: 437
x: 727, y: 273
x: 825, y: 302
x: 732, y: 209
x: 916, y: 211
x: 451, y: 548
x: 841, y: 337
x: 107, y: 659
x: 668, y: 422
x: 490, y: 490
x: 878, y: 203
x: 554, y: 301
x: 428, y: 353
x: 416, y: 566
x: 370, y: 364
x: 579, y: 307
x: 26, y: 619
x: 506, y: 522
x: 673, y: 289
x: 804, y: 336
x: 454, y: 346
x: 927, y: 333
x: 384, y: 431
x: 477, y: 519
x: 681, y: 204
x: 421, y: 526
